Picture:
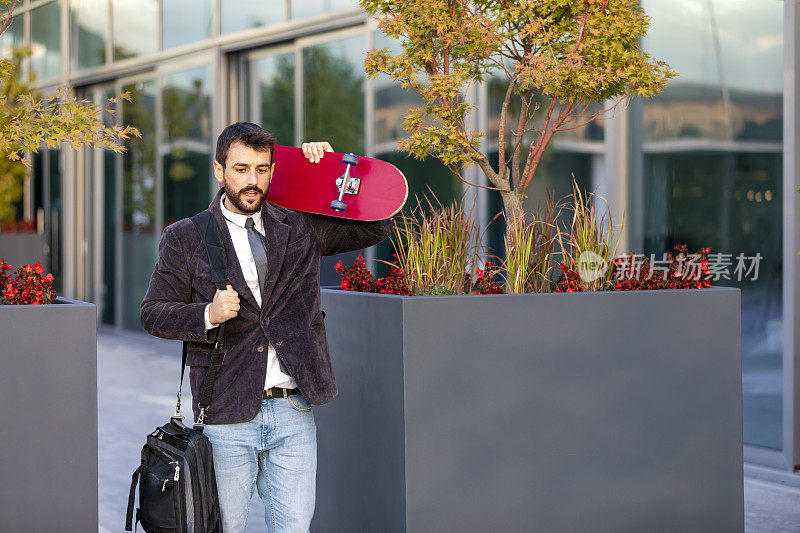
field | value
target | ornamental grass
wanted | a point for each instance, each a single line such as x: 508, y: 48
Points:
x: 436, y: 248
x: 586, y: 247
x: 439, y: 248
x: 530, y: 249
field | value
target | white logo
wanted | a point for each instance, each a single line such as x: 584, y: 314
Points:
x: 591, y: 266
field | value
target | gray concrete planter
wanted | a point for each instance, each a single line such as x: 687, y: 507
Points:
x: 23, y: 248
x: 48, y: 408
x: 602, y: 412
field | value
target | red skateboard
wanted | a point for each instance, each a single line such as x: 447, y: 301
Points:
x: 373, y: 189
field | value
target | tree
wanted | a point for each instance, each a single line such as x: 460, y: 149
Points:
x: 12, y: 173
x: 29, y: 120
x: 560, y: 56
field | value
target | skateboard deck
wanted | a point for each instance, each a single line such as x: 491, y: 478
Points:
x: 375, y: 189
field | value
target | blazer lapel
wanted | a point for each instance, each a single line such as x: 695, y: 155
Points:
x: 277, y: 235
x: 235, y: 274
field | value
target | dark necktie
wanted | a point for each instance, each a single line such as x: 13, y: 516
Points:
x: 259, y: 249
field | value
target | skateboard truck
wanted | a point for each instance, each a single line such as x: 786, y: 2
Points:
x: 346, y: 183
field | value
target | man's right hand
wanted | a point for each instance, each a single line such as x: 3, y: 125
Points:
x: 224, y: 306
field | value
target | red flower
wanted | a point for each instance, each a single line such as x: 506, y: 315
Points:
x: 26, y: 286
x: 356, y: 277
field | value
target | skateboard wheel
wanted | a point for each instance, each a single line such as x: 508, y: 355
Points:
x: 338, y: 205
x: 350, y: 159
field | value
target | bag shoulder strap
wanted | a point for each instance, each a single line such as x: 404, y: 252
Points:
x: 129, y: 514
x: 218, y: 261
x: 217, y: 258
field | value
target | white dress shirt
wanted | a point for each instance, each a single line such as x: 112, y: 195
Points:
x: 275, y: 377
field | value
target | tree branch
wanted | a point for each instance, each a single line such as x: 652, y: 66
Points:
x: 503, y: 118
x: 524, y: 118
x: 594, y: 116
x: 535, y: 155
x: 573, y: 118
x: 491, y: 175
x: 9, y: 13
x: 583, y: 27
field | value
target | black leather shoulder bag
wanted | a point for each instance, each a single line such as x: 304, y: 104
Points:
x: 177, y: 486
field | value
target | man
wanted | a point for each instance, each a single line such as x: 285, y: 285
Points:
x: 276, y: 362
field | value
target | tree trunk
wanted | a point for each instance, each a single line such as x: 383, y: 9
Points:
x: 512, y: 210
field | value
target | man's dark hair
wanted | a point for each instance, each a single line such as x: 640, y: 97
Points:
x: 247, y: 133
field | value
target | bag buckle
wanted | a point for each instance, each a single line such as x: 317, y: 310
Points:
x: 177, y: 415
x: 200, y: 418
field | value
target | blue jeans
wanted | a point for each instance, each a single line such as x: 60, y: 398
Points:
x: 277, y: 452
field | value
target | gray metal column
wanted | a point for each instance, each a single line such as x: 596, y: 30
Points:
x: 791, y: 233
x: 615, y: 187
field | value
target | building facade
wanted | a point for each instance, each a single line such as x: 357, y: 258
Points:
x: 710, y: 162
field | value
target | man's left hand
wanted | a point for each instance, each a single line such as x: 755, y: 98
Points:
x: 316, y: 150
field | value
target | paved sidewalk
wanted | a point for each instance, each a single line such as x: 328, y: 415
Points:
x: 770, y: 507
x: 137, y: 382
x: 137, y: 378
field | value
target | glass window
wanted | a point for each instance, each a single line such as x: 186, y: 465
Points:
x: 333, y: 106
x: 109, y: 294
x: 724, y: 90
x: 309, y: 8
x: 554, y: 176
x: 238, y: 15
x: 701, y: 185
x: 135, y: 27
x: 56, y: 231
x: 569, y: 154
x: 108, y: 171
x: 186, y: 142
x: 185, y: 21
x: 496, y: 89
x: 392, y: 102
x: 333, y: 93
x: 424, y: 177
x: 13, y: 37
x: 138, y: 246
x: 88, y: 33
x: 46, y: 175
x: 337, y: 5
x: 46, y: 41
x: 271, y: 95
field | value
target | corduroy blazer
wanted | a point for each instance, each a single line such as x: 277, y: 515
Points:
x: 290, y: 316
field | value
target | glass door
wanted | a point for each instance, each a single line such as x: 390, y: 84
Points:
x: 136, y: 235
x: 311, y: 90
x: 163, y: 176
x: 96, y: 222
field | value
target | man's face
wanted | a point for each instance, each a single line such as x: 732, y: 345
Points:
x: 246, y: 178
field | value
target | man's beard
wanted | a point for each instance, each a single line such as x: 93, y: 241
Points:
x: 236, y: 199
